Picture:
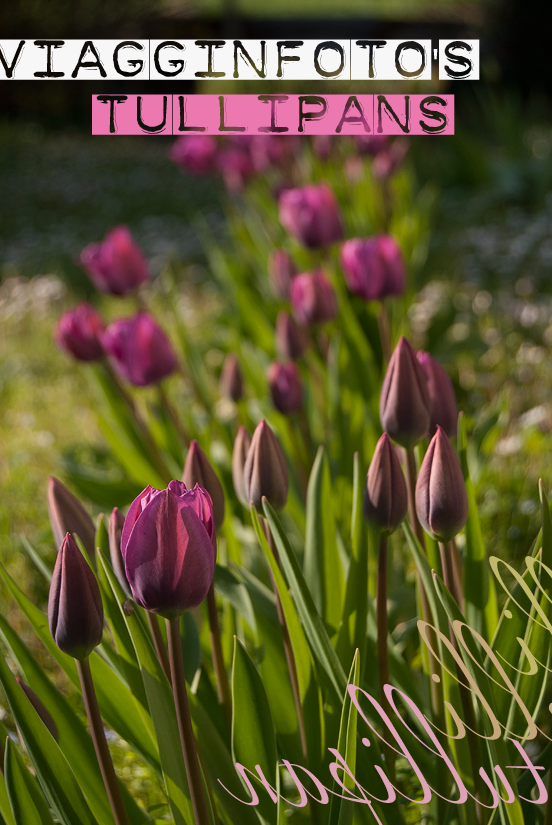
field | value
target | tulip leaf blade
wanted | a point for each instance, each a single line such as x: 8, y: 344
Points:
x: 26, y: 800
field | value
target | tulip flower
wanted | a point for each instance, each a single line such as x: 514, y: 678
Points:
x: 290, y: 341
x: 371, y: 144
x: 286, y: 388
x: 140, y: 349
x: 67, y: 515
x: 404, y: 400
x: 312, y: 298
x: 281, y: 271
x: 168, y: 549
x: 389, y: 159
x: 311, y: 214
x: 37, y: 704
x: 231, y: 378
x: 79, y: 333
x: 441, y: 498
x: 199, y: 470
x: 196, y: 154
x: 116, y: 524
x: 265, y: 472
x: 242, y: 443
x: 374, y: 267
x: 443, y: 409
x: 236, y: 165
x: 116, y: 265
x: 75, y: 611
x: 385, y: 496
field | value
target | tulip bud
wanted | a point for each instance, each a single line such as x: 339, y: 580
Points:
x: 388, y: 161
x: 116, y: 265
x: 44, y: 714
x: 116, y: 524
x: 265, y: 472
x: 290, y: 341
x: 168, y: 551
x: 312, y: 298
x: 195, y: 153
x: 385, y: 497
x: 404, y: 400
x: 441, y: 498
x: 79, y: 332
x: 75, y: 610
x: 442, y: 399
x: 239, y: 454
x: 198, y: 470
x: 311, y: 214
x: 67, y: 515
x: 140, y: 350
x: 285, y: 387
x: 231, y: 379
x: 371, y: 144
x: 374, y: 267
x: 236, y: 164
x: 281, y: 271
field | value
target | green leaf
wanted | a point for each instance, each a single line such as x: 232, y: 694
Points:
x: 321, y: 565
x: 6, y: 815
x: 35, y: 556
x: 26, y: 800
x: 235, y: 591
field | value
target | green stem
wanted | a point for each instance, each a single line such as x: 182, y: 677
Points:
x: 384, y: 328
x: 103, y: 756
x: 173, y: 415
x: 223, y: 687
x: 187, y: 739
x: 382, y: 633
x: 159, y: 644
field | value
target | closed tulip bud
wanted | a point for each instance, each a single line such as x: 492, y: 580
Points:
x: 311, y: 214
x: 198, y: 470
x: 281, y: 272
x: 286, y: 388
x: 373, y: 267
x: 312, y: 298
x: 116, y: 524
x: 290, y: 340
x: 441, y: 498
x: 242, y: 443
x: 79, y: 333
x: 404, y: 400
x: 141, y: 352
x: 168, y: 551
x: 385, y: 497
x: 265, y: 472
x: 231, y: 378
x: 196, y: 154
x: 442, y: 399
x: 44, y: 714
x: 75, y: 610
x: 67, y: 515
x: 116, y: 265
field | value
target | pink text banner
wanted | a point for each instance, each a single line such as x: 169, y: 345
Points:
x: 118, y: 114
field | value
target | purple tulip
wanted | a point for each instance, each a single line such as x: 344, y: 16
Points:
x: 242, y: 443
x: 441, y: 498
x: 195, y: 153
x: 371, y: 144
x: 385, y: 496
x: 75, y: 610
x: 404, y: 400
x: 311, y: 214
x: 281, y: 272
x: 236, y: 164
x: 117, y: 264
x: 388, y: 161
x: 231, y: 378
x: 67, y: 515
x: 312, y: 298
x: 374, y: 267
x: 265, y: 472
x: 442, y: 399
x: 286, y: 388
x: 140, y: 349
x: 79, y: 333
x: 168, y: 548
x: 199, y: 470
x: 290, y: 339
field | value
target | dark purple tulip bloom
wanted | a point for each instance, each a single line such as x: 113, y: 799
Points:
x: 196, y: 154
x: 67, y: 515
x: 116, y: 524
x: 313, y: 298
x: 371, y: 144
x: 231, y: 378
x: 168, y: 548
x: 236, y: 164
x: 79, y: 333
x: 265, y: 472
x: 75, y: 610
x: 140, y: 349
x: 385, y: 496
x: 311, y: 214
x: 404, y: 400
x: 290, y: 339
x: 441, y: 498
x: 37, y: 704
x: 281, y: 272
x: 242, y: 443
x: 199, y: 470
x: 374, y: 267
x: 286, y: 388
x: 117, y: 264
x: 443, y: 409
